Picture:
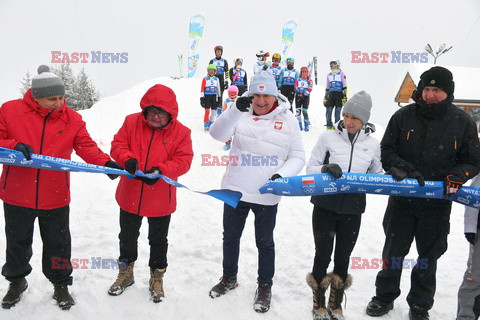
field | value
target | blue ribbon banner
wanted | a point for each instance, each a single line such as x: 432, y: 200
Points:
x: 325, y: 184
x: 16, y: 158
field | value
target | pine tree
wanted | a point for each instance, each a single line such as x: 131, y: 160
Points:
x: 86, y: 95
x: 64, y: 71
x: 26, y: 84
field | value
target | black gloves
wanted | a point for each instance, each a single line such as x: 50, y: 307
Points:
x: 131, y: 166
x: 150, y: 182
x: 399, y: 175
x: 452, y: 183
x: 243, y: 103
x: 334, y: 169
x: 265, y: 67
x: 417, y: 175
x: 275, y: 176
x: 202, y: 102
x: 226, y: 85
x: 470, y: 236
x: 25, y: 149
x: 114, y: 165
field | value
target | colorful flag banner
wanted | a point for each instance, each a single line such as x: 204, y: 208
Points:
x: 288, y: 34
x: 195, y: 32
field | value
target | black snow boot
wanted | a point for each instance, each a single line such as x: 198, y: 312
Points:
x: 263, y: 297
x: 63, y: 297
x: 417, y: 313
x: 226, y: 284
x: 14, y: 293
x: 377, y: 308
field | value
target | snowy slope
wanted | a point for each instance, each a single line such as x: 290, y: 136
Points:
x: 195, y: 251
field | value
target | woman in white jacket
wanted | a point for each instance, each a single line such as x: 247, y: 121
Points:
x: 267, y: 145
x: 349, y: 148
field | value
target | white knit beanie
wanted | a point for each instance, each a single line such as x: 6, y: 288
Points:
x: 263, y: 83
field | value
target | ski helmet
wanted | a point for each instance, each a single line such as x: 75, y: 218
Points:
x: 302, y: 69
x: 212, y: 67
x: 290, y: 60
x: 238, y: 60
x: 218, y: 48
x: 233, y: 89
x: 333, y: 63
x: 277, y: 56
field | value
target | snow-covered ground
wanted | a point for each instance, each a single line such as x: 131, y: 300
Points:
x: 195, y: 251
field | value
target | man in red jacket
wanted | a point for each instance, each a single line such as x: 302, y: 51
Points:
x: 152, y: 141
x: 41, y: 123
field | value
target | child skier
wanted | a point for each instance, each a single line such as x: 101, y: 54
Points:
x: 238, y: 76
x: 303, y: 87
x: 210, y: 96
x: 232, y: 97
x: 222, y: 70
x: 287, y: 81
x: 275, y: 69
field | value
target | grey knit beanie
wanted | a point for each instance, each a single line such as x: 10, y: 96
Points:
x: 47, y: 84
x: 263, y: 83
x: 359, y: 105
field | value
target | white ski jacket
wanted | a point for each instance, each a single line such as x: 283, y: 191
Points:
x: 262, y: 146
x: 362, y: 155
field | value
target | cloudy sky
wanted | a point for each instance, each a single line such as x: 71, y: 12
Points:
x: 154, y: 33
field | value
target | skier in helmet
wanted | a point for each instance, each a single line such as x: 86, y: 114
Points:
x: 222, y: 70
x: 238, y: 76
x: 261, y: 61
x: 210, y: 96
x: 335, y: 93
x: 275, y: 69
x: 287, y: 80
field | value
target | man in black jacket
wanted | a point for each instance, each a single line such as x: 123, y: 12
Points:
x: 430, y: 139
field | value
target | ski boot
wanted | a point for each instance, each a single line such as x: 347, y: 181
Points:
x: 219, y: 112
x: 307, y: 125
x: 226, y: 147
x: 206, y: 125
x: 300, y: 123
x: 263, y: 297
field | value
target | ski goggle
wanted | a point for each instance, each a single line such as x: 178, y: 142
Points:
x: 333, y: 63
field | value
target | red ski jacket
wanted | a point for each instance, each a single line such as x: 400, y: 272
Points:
x: 51, y: 133
x: 168, y: 148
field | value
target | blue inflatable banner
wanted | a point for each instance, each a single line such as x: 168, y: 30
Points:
x: 325, y: 184
x: 38, y: 161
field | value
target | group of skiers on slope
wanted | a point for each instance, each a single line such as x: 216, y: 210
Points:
x: 430, y: 139
x: 294, y: 85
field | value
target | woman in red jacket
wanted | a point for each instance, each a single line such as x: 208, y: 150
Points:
x: 152, y: 141
x: 41, y: 123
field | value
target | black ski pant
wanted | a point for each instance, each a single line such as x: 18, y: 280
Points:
x: 289, y: 93
x: 233, y: 225
x: 221, y: 79
x: 301, y: 104
x: 429, y: 226
x: 157, y: 237
x: 327, y: 226
x: 55, y: 234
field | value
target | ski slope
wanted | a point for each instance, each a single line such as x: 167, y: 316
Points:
x: 195, y: 251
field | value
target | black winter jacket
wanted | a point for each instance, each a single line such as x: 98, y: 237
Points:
x: 436, y: 139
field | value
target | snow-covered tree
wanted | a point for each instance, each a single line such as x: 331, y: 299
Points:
x: 65, y: 72
x: 85, y: 93
x: 26, y: 84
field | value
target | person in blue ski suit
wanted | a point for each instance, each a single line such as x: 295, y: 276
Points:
x: 303, y: 87
x: 286, y: 83
x: 222, y: 71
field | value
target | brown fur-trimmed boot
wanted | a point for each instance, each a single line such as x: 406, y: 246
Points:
x: 319, y: 311
x: 337, y: 289
x: 156, y: 284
